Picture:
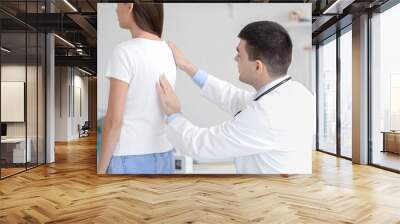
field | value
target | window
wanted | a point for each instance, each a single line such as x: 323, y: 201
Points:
x: 385, y: 89
x: 327, y: 97
x: 346, y: 94
x: 395, y: 101
x: 22, y: 77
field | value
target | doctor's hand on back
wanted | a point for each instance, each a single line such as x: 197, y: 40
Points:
x: 168, y: 99
x: 271, y: 129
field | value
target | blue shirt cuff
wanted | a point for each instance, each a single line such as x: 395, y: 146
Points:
x: 200, y: 78
x: 173, y: 116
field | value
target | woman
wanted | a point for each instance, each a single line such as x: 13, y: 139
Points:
x: 133, y: 139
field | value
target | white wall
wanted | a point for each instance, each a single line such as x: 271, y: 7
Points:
x: 66, y: 121
x: 61, y: 103
x: 12, y: 73
x: 80, y: 82
x: 207, y: 33
x: 33, y: 126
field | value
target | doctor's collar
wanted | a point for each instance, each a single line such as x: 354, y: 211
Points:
x: 270, y: 85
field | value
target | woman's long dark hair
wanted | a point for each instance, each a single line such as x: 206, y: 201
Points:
x: 149, y: 17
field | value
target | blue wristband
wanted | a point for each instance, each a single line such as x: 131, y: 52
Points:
x: 200, y: 78
x: 173, y: 116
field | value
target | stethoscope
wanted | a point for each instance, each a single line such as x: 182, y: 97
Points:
x: 268, y: 91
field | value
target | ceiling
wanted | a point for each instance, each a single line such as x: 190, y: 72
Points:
x: 74, y: 22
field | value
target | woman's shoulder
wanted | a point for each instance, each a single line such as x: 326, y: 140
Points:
x: 141, y: 43
x: 126, y: 47
x: 131, y: 43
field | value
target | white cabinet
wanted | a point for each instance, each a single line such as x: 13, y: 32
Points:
x: 19, y: 155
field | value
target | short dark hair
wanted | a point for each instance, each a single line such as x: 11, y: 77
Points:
x: 269, y: 42
x: 149, y: 17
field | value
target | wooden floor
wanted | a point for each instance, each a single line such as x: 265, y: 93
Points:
x: 10, y: 171
x: 5, y: 172
x: 70, y: 191
x: 387, y: 159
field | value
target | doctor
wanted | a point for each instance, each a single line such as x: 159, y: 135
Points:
x: 270, y: 131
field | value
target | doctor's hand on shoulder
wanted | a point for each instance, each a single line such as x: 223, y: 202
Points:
x: 181, y: 61
x: 168, y: 99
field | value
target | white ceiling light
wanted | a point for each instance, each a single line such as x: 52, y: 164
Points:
x: 65, y: 41
x: 70, y: 5
x: 5, y: 50
x: 79, y: 51
x: 84, y: 71
x: 337, y: 7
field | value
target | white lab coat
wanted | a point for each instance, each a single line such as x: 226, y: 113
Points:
x: 270, y: 136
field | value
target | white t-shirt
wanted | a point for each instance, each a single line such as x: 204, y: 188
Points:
x: 140, y: 62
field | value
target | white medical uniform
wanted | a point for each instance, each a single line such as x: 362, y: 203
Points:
x: 272, y: 135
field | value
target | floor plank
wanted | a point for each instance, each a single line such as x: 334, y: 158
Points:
x: 70, y: 191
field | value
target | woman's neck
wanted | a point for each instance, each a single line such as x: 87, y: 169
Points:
x: 139, y: 33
